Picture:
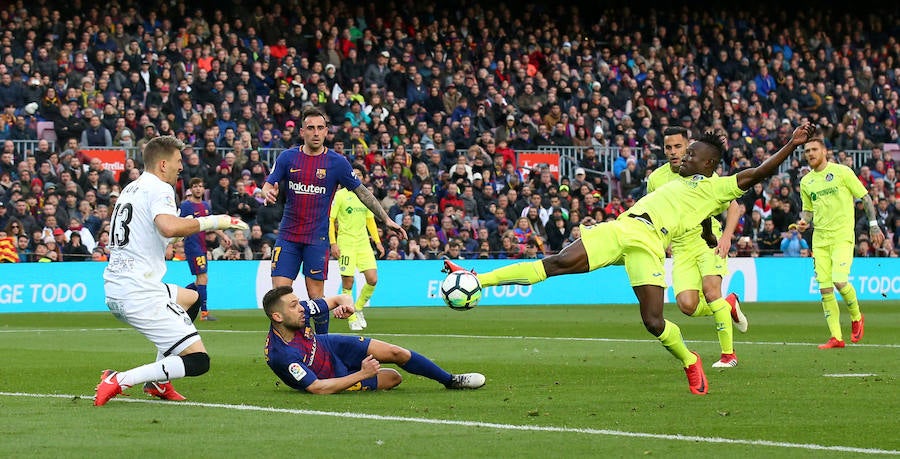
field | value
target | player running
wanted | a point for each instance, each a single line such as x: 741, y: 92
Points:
x: 309, y: 175
x: 698, y: 267
x: 350, y: 226
x: 827, y: 192
x: 328, y: 364
x: 638, y: 238
x: 143, y: 221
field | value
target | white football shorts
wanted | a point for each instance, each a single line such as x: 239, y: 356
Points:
x: 158, y: 317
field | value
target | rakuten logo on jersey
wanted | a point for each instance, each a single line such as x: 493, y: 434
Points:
x: 303, y: 188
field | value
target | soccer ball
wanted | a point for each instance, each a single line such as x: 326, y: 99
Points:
x: 461, y: 290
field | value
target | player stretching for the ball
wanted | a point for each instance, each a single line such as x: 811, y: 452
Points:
x: 144, y: 220
x: 351, y: 225
x: 195, y: 244
x: 697, y: 267
x: 638, y: 238
x: 328, y: 364
x: 827, y: 192
x: 309, y: 175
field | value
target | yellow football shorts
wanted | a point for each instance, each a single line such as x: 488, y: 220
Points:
x: 690, y: 264
x: 356, y: 257
x: 832, y: 262
x: 630, y: 242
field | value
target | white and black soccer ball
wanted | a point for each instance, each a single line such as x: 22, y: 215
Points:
x: 461, y: 290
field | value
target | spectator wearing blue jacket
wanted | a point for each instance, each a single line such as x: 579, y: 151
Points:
x: 792, y: 242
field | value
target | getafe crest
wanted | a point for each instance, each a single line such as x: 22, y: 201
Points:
x: 829, y: 177
x: 320, y: 173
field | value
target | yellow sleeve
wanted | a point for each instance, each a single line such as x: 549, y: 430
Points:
x: 332, y: 231
x: 372, y: 227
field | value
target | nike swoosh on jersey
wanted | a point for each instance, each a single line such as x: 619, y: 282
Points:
x: 315, y: 271
x: 295, y: 170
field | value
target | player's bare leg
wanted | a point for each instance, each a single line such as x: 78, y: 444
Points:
x: 651, y: 299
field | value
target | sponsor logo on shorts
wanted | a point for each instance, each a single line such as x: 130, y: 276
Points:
x: 315, y: 271
x: 296, y: 371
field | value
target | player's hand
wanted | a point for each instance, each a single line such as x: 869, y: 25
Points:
x: 271, y: 195
x: 343, y: 311
x: 802, y: 225
x: 335, y: 251
x: 588, y: 221
x: 804, y: 133
x: 876, y: 236
x: 380, y: 249
x: 370, y: 367
x: 397, y: 228
x: 723, y: 247
x: 221, y: 222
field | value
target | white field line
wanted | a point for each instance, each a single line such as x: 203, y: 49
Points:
x: 486, y: 337
x: 488, y: 425
x: 849, y: 375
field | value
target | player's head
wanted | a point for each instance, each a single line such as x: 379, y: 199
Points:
x: 162, y: 155
x: 703, y: 155
x: 314, y: 126
x: 283, y: 307
x: 676, y: 141
x: 196, y: 187
x: 816, y: 153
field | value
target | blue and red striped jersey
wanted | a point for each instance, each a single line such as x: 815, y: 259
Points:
x: 309, y: 183
x: 195, y: 244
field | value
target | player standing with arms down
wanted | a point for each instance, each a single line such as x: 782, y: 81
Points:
x: 696, y: 267
x: 342, y: 362
x: 195, y: 244
x: 638, y: 238
x: 350, y: 245
x: 827, y: 192
x: 144, y: 220
x: 310, y: 175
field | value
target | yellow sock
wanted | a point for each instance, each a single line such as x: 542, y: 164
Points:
x: 673, y: 342
x: 524, y: 273
x: 849, y: 295
x: 703, y: 308
x: 722, y: 312
x: 832, y: 315
x: 364, y: 294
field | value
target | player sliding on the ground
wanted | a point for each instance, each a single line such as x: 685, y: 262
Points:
x: 328, y: 364
x: 638, y: 238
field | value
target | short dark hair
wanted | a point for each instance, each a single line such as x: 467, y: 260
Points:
x: 273, y: 297
x: 715, y: 141
x: 676, y: 130
x: 310, y: 112
x: 195, y: 181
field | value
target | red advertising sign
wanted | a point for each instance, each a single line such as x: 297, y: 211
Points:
x: 529, y: 160
x: 113, y: 160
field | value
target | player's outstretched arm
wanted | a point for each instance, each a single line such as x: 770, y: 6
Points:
x: 370, y: 201
x: 172, y: 226
x: 368, y: 369
x: 340, y: 305
x: 875, y: 234
x: 749, y: 177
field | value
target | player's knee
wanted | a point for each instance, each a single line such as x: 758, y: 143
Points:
x: 195, y: 364
x: 654, y: 325
x: 687, y: 306
x: 388, y: 378
x: 397, y: 354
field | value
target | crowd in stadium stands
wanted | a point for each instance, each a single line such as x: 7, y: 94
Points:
x: 436, y: 101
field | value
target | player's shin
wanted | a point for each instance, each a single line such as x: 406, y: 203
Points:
x: 171, y: 367
x: 672, y: 340
x: 832, y: 315
x: 848, y: 293
x: 722, y: 313
x: 420, y: 365
x: 364, y: 294
x: 524, y: 273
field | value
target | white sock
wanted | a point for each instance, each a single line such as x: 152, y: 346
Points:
x: 171, y: 367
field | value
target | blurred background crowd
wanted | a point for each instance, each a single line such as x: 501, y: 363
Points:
x: 436, y: 101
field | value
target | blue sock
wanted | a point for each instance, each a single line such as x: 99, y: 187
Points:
x: 201, y: 289
x: 418, y: 364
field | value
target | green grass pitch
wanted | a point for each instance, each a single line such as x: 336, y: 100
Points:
x: 584, y: 381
